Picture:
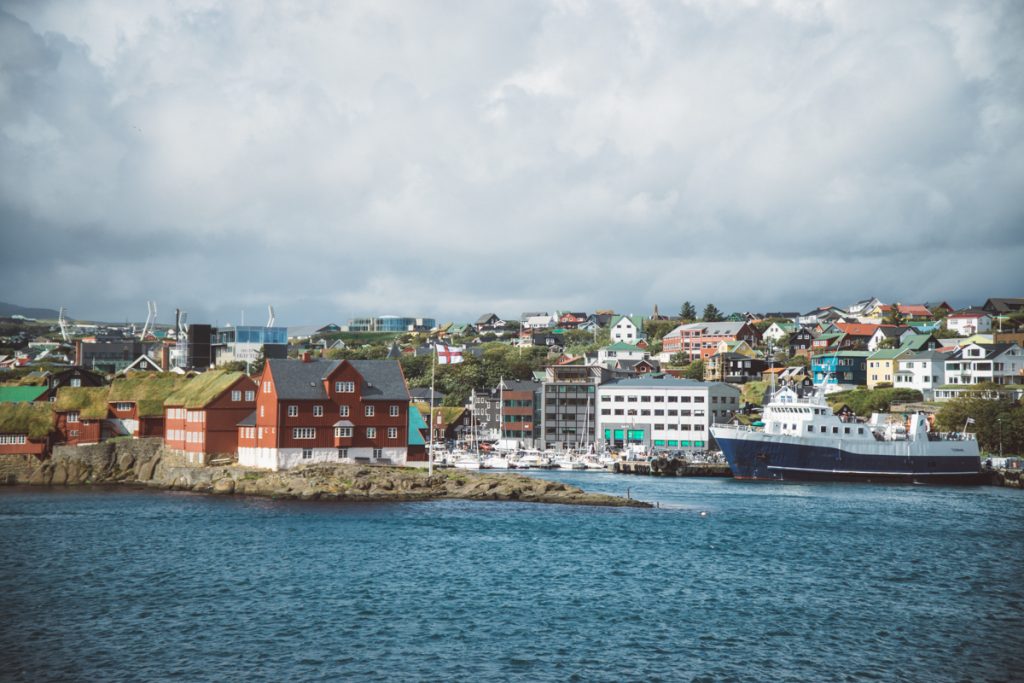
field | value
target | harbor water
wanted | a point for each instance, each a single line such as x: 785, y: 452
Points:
x: 724, y: 581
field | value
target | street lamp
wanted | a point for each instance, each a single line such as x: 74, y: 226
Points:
x: 1000, y: 421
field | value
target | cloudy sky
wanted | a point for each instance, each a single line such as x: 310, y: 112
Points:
x: 447, y: 159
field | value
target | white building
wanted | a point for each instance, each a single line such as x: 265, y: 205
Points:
x: 971, y: 321
x: 924, y: 371
x: 977, y: 363
x: 662, y: 413
x: 627, y: 328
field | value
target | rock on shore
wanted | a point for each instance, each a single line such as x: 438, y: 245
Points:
x: 144, y: 462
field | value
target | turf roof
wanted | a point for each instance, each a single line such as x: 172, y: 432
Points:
x: 148, y: 390
x: 90, y: 402
x: 34, y: 419
x: 199, y: 391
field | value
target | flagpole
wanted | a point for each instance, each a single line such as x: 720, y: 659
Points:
x: 430, y: 411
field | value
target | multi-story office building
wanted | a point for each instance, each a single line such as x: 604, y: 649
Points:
x: 570, y: 405
x: 246, y: 342
x: 662, y: 413
x: 390, y: 323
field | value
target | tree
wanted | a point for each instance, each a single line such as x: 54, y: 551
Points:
x: 996, y: 421
x: 695, y: 370
x: 679, y: 358
x: 687, y: 311
x: 712, y: 314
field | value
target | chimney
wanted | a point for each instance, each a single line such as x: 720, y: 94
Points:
x: 165, y: 358
x: 305, y: 357
x: 78, y: 352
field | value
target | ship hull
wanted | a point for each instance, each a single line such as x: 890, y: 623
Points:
x: 780, y: 461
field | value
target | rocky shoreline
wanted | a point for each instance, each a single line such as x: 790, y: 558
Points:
x: 145, y: 463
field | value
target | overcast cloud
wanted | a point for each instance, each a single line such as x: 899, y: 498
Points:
x: 449, y: 159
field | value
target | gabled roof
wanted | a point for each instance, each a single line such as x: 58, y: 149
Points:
x: 1004, y: 305
x: 147, y: 390
x: 32, y: 419
x: 487, y: 319
x: 200, y: 391
x: 991, y: 351
x: 858, y: 329
x: 90, y: 402
x: 298, y: 380
x: 249, y: 420
x: 24, y: 394
x: 889, y: 354
x: 622, y: 346
x: 637, y: 320
x: 969, y: 313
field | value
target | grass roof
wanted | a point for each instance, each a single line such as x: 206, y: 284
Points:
x: 34, y: 419
x: 90, y: 402
x: 148, y: 390
x: 199, y: 391
x: 450, y: 413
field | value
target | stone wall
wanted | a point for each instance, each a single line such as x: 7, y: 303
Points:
x: 17, y: 468
x: 114, y: 461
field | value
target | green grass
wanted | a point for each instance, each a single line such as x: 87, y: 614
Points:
x: 90, y: 402
x: 200, y: 391
x: 34, y: 419
x: 147, y: 390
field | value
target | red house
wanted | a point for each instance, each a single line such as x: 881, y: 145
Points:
x: 25, y: 429
x: 201, y: 418
x: 79, y: 414
x: 326, y: 411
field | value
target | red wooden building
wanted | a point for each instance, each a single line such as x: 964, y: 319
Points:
x: 201, y: 418
x: 326, y: 411
x: 79, y: 414
x: 25, y: 429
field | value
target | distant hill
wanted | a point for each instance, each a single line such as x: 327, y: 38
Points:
x: 7, y: 310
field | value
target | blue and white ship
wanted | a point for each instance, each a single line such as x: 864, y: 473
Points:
x: 803, y: 440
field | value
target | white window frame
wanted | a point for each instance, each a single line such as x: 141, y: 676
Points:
x: 371, y: 432
x: 293, y: 411
x: 303, y: 433
x: 73, y: 417
x: 344, y: 387
x: 368, y: 411
x: 392, y: 432
x: 395, y: 411
x: 236, y: 395
x: 250, y: 395
x: 343, y: 432
x: 342, y: 411
x: 318, y: 411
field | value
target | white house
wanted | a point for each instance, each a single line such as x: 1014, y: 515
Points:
x: 627, y: 328
x: 662, y: 413
x: 777, y: 332
x: 539, y: 322
x: 977, y: 363
x: 924, y: 371
x: 969, y: 321
x: 621, y: 351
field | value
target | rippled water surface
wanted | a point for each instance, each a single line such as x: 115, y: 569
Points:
x: 726, y: 581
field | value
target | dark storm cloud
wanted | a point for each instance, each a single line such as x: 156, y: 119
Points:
x: 397, y: 158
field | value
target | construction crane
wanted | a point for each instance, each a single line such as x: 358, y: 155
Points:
x: 271, y: 319
x: 63, y: 325
x: 150, y: 319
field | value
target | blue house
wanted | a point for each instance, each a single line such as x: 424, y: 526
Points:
x: 841, y: 367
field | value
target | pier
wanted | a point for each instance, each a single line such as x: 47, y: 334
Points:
x: 671, y: 467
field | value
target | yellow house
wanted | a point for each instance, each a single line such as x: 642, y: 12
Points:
x: 740, y: 346
x: 882, y: 366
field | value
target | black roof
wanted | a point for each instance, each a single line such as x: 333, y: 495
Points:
x: 295, y: 379
x: 249, y: 420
